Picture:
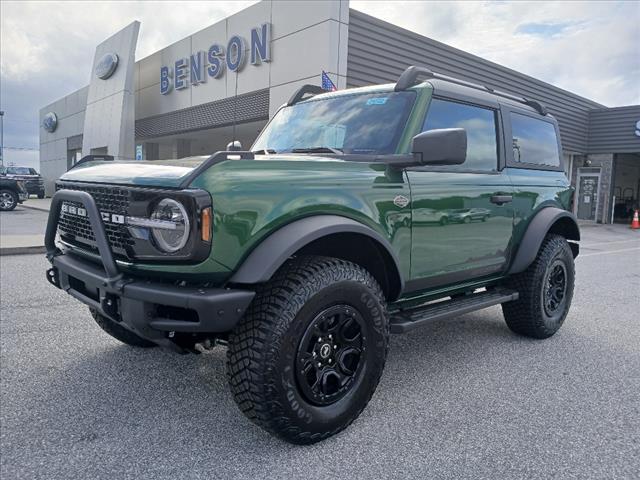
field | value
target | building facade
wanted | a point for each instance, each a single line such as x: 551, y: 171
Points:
x: 223, y: 82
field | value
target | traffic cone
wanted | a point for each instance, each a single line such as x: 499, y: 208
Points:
x: 635, y: 223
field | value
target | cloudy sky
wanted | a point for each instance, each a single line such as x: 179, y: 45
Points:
x: 46, y: 48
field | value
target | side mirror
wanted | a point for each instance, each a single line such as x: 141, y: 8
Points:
x: 234, y: 146
x: 446, y: 146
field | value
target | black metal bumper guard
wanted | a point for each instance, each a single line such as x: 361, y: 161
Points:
x: 132, y: 302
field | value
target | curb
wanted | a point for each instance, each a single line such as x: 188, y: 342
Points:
x: 32, y: 207
x: 28, y: 250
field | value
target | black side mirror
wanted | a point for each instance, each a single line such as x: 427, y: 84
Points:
x: 446, y: 146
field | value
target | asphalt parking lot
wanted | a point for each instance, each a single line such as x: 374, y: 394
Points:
x: 463, y: 398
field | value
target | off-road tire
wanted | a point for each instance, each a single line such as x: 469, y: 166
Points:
x: 11, y: 200
x: 119, y: 332
x: 528, y: 316
x: 262, y: 353
x: 41, y: 195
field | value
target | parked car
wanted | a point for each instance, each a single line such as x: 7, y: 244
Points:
x: 31, y: 178
x: 303, y: 255
x: 470, y: 214
x: 430, y: 215
x: 12, y: 192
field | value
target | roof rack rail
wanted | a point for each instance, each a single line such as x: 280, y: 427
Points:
x: 310, y: 90
x: 410, y: 76
x: 92, y: 158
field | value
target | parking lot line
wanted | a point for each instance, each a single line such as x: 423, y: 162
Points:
x: 608, y: 251
x: 609, y: 243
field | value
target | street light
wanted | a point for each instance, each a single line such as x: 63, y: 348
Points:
x: 1, y: 137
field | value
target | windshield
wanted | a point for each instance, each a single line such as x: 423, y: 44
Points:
x: 352, y: 124
x: 21, y: 171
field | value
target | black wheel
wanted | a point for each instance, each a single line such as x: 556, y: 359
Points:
x: 466, y: 219
x: 41, y: 195
x: 119, y: 332
x: 8, y: 200
x: 444, y: 221
x: 307, y: 356
x: 546, y: 290
x: 484, y: 219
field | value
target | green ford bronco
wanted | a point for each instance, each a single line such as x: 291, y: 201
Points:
x: 356, y: 214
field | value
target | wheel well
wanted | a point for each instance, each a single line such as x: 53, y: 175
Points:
x: 567, y: 228
x: 362, y: 250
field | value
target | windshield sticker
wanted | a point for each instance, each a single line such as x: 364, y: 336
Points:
x: 377, y: 101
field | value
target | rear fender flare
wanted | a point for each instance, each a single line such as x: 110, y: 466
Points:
x: 549, y: 219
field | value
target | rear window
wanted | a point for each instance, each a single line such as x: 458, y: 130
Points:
x: 21, y: 171
x: 534, y: 141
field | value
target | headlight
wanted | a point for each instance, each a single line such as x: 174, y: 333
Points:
x: 174, y: 232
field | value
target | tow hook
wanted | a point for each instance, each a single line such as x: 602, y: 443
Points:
x: 109, y: 304
x: 53, y: 278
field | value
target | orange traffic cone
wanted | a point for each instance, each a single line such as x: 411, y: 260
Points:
x: 635, y: 223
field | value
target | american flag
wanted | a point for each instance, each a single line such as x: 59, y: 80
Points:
x: 327, y: 84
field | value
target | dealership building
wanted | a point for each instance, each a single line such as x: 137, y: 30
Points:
x: 223, y: 82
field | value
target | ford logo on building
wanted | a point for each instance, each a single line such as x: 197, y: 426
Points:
x: 106, y: 66
x: 50, y: 122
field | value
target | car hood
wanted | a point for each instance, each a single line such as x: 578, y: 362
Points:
x: 165, y: 173
x: 157, y: 173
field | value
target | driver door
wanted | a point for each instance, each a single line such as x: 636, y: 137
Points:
x: 462, y: 215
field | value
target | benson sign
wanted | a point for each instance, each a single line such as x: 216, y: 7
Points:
x: 212, y: 63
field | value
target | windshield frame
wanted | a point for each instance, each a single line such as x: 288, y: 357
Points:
x: 397, y: 140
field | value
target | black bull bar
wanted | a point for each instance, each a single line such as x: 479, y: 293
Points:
x: 153, y: 310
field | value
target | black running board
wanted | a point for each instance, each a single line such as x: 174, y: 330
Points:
x: 406, y: 320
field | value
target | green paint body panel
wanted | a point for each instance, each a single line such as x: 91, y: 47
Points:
x: 438, y: 251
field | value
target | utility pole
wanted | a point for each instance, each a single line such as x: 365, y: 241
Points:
x: 1, y: 137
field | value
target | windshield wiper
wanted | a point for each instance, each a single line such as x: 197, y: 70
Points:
x: 264, y: 151
x: 336, y: 151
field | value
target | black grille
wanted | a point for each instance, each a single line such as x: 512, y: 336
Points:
x: 109, y: 200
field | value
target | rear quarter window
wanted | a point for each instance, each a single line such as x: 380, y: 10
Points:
x: 535, y: 141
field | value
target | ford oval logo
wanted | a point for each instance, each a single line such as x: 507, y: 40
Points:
x: 50, y: 122
x: 106, y: 66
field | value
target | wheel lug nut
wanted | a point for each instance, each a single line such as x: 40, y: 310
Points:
x: 319, y: 339
x: 335, y: 347
x: 330, y: 336
x: 329, y: 360
x: 319, y: 364
x: 314, y: 354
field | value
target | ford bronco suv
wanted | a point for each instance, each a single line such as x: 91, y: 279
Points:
x: 304, y: 254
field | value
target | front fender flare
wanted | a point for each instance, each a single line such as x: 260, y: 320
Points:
x: 274, y: 250
x: 543, y: 222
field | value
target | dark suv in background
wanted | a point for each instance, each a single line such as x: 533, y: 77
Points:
x: 12, y: 192
x: 31, y: 178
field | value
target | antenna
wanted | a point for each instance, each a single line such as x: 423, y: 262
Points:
x: 235, y: 108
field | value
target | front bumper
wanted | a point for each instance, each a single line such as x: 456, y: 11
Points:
x: 34, y: 188
x: 155, y: 311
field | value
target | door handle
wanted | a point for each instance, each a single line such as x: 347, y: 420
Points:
x: 501, y: 199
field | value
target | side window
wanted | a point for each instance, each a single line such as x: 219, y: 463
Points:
x: 534, y: 141
x: 480, y: 124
